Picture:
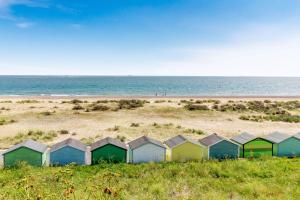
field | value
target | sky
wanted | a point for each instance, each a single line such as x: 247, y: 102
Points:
x: 150, y: 37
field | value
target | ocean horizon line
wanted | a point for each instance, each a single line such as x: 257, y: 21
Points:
x: 148, y: 86
x: 208, y: 76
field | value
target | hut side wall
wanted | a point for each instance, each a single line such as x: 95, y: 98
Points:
x: 289, y: 148
x: 148, y: 153
x: 188, y: 151
x: 257, y: 148
x: 168, y: 154
x: 23, y: 154
x: 67, y: 155
x: 224, y: 150
x: 109, y: 153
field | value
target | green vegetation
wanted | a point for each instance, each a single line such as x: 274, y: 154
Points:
x: 4, y: 109
x: 112, y: 105
x: 134, y: 125
x: 243, y: 179
x: 196, y: 107
x: 6, y: 101
x: 47, y: 113
x: 271, y: 110
x: 168, y: 130
x: 99, y: 108
x: 199, y: 132
x: 63, y: 132
x: 4, y: 121
x: 160, y: 101
x: 131, y: 104
x: 28, y: 101
x: 77, y: 107
x: 31, y: 134
x: 274, y: 118
x: 121, y: 138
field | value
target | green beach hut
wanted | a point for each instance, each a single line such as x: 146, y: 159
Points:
x: 252, y: 146
x: 108, y: 150
x: 31, y: 152
x: 285, y: 145
x: 220, y: 148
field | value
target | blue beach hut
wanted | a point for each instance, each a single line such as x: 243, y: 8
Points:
x: 68, y: 151
x: 220, y: 148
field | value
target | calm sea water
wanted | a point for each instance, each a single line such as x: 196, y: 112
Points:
x: 148, y: 86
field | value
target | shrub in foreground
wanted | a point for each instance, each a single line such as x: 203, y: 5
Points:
x: 233, y: 179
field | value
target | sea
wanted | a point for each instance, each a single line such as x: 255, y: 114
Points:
x: 148, y: 86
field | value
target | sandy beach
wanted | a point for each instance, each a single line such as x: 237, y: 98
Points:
x: 94, y: 117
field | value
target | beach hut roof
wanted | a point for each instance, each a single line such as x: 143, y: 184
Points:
x: 144, y: 140
x: 177, y: 140
x: 277, y: 137
x: 297, y: 136
x: 211, y: 140
x: 69, y: 142
x: 36, y: 146
x: 243, y: 138
x: 108, y: 140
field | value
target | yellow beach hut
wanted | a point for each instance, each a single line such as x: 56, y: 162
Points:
x: 180, y: 148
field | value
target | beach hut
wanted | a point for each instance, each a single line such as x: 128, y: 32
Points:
x: 180, y: 148
x: 68, y: 151
x: 220, y: 148
x: 145, y: 149
x: 252, y: 146
x: 285, y: 145
x: 31, y: 152
x: 108, y: 150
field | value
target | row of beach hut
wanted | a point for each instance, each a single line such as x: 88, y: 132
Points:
x: 146, y: 149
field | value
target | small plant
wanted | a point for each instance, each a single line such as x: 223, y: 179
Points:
x: 37, y: 135
x: 100, y: 108
x: 76, y: 101
x: 88, y: 140
x: 115, y: 128
x: 245, y: 117
x: 193, y: 107
x: 159, y: 101
x: 63, y: 132
x: 46, y: 113
x: 77, y: 107
x: 6, y: 101
x: 4, y: 121
x: 131, y: 104
x: 195, y: 131
x: 121, y: 138
x: 134, y: 125
x: 27, y: 101
x: 102, y: 101
x: 155, y: 124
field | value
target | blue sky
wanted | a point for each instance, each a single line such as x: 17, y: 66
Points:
x: 150, y: 37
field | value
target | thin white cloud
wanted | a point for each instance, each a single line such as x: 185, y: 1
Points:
x: 24, y: 25
x: 76, y: 26
x: 6, y: 7
x: 260, y: 51
x: 66, y: 9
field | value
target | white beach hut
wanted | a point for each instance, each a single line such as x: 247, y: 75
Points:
x: 145, y: 149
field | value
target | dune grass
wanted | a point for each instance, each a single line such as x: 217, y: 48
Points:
x: 38, y: 135
x: 267, y: 178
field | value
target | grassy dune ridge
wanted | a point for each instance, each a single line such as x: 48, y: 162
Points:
x: 95, y: 118
x: 265, y: 178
